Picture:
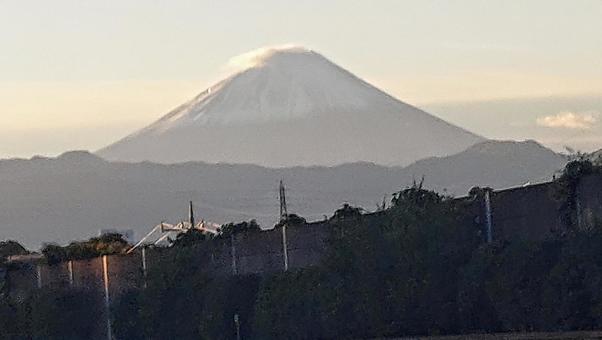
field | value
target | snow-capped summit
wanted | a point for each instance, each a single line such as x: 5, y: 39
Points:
x: 291, y: 106
x: 274, y: 84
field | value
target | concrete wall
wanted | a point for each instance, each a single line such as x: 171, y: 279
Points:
x: 306, y: 244
x: 22, y: 281
x: 259, y: 252
x: 534, y: 212
x: 531, y: 213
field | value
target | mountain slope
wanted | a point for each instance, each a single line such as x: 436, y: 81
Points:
x: 76, y: 194
x: 596, y: 157
x: 293, y: 107
x: 497, y: 164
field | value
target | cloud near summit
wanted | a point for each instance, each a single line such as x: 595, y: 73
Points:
x: 570, y: 120
x: 258, y: 56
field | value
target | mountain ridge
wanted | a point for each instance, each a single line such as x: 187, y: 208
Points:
x: 76, y: 194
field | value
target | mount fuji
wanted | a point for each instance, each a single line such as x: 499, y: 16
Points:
x: 290, y: 106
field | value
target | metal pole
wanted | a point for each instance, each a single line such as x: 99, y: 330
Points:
x: 284, y: 247
x: 105, y: 276
x: 70, y: 268
x: 144, y: 266
x: 39, y: 276
x: 283, y: 220
x: 191, y: 216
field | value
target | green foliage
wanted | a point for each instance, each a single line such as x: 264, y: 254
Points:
x: 10, y: 322
x: 225, y: 298
x: 551, y: 285
x: 502, y: 285
x: 181, y: 301
x: 291, y: 219
x: 566, y: 189
x: 419, y: 268
x: 171, y: 304
x: 10, y: 248
x: 51, y: 314
x: 347, y: 213
x: 65, y: 314
x: 572, y: 292
x: 227, y: 230
x: 189, y: 238
x: 107, y: 244
x: 378, y: 279
x: 295, y: 305
x: 126, y: 316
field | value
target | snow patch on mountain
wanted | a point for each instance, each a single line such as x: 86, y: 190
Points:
x: 276, y: 84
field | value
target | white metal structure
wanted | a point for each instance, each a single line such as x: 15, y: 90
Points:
x: 167, y: 229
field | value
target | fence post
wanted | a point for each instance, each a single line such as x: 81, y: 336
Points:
x: 105, y: 277
x: 284, y: 247
x: 144, y: 271
x: 70, y: 268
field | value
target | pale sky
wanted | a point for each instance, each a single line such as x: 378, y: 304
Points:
x: 81, y: 74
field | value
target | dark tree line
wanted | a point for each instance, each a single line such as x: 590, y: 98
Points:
x: 51, y: 314
x: 106, y: 244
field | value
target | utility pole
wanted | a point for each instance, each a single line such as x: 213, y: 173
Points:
x: 191, y: 215
x: 283, y: 212
x: 107, y: 298
x: 144, y: 270
x: 284, y: 222
x: 70, y: 269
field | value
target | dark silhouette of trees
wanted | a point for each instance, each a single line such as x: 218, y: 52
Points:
x: 11, y: 248
x: 107, y: 244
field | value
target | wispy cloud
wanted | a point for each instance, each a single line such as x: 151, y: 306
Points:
x: 570, y: 120
x: 258, y: 56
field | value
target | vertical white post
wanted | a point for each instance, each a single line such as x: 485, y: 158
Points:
x: 233, y: 254
x: 144, y: 266
x: 284, y: 247
x: 105, y: 276
x: 39, y: 276
x: 70, y: 268
x: 488, y: 219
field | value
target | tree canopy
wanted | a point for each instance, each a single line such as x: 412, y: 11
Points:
x: 107, y: 244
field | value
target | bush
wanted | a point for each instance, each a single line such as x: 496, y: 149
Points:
x: 10, y: 248
x: 107, y: 244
